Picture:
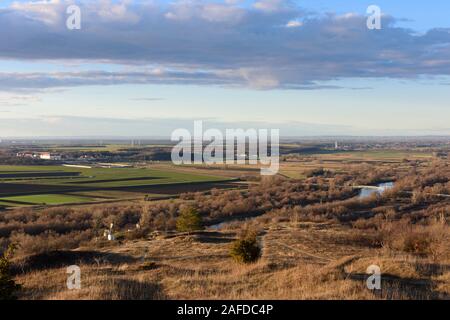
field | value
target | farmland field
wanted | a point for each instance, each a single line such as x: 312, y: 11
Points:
x: 377, y: 155
x: 335, y: 160
x: 52, y: 185
x: 47, y: 199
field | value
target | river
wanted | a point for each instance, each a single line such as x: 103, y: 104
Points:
x: 382, y: 187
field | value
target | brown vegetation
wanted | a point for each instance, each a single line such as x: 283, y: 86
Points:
x: 316, y: 237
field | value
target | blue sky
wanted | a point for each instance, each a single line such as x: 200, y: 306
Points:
x: 419, y: 15
x: 144, y: 68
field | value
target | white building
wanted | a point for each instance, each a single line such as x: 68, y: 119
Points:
x: 50, y: 156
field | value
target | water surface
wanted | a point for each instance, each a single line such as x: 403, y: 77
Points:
x: 382, y: 187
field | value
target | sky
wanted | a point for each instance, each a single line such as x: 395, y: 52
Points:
x: 146, y: 67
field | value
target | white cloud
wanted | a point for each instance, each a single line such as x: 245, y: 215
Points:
x: 294, y: 24
x: 214, y: 43
x: 8, y: 99
x: 214, y: 12
x: 260, y: 79
x: 269, y: 5
x: 221, y: 13
x: 115, y: 11
x: 49, y: 12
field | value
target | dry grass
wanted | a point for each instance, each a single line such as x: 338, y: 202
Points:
x: 317, y: 241
x: 104, y: 283
x: 309, y: 261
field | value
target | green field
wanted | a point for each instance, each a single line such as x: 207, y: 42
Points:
x: 10, y: 204
x: 59, y: 184
x: 50, y: 199
x: 105, y: 177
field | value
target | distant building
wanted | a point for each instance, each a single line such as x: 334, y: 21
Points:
x: 26, y: 155
x: 336, y: 145
x: 50, y: 156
